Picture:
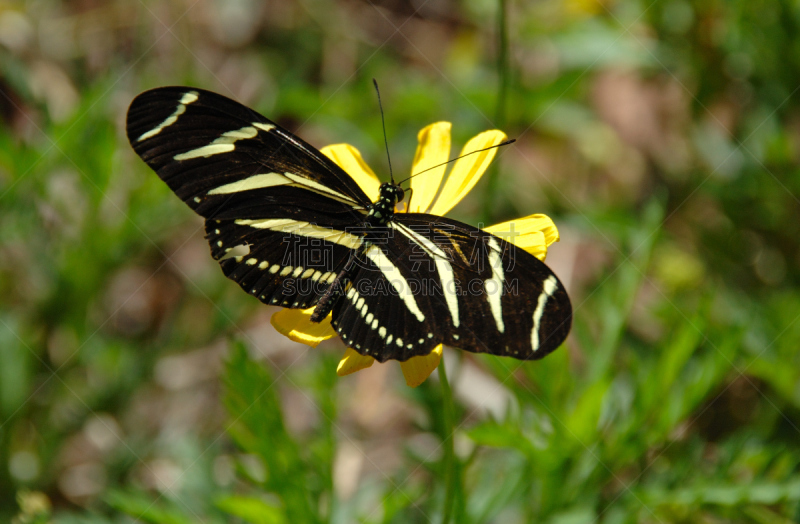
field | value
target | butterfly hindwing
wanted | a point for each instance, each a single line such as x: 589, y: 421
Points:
x: 447, y: 282
x: 289, y: 263
x: 384, y: 312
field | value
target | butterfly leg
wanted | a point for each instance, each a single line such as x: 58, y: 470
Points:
x: 410, y: 196
x: 332, y: 294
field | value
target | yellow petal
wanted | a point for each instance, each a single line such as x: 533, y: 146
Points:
x: 532, y: 233
x: 349, y: 158
x: 433, y: 149
x: 468, y: 170
x: 417, y: 369
x: 584, y: 7
x: 296, y: 324
x: 352, y: 362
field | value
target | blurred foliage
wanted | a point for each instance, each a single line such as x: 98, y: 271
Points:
x: 662, y: 136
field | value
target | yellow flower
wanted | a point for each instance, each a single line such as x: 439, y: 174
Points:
x: 533, y: 233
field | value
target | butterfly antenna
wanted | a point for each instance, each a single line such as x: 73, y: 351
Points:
x: 383, y: 123
x: 507, y: 142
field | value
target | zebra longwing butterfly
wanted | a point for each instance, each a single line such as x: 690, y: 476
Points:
x: 396, y: 284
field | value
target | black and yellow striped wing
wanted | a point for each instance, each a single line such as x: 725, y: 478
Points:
x: 430, y: 280
x: 261, y: 189
x: 227, y: 161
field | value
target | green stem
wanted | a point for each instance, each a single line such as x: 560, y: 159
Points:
x: 502, y: 94
x: 502, y: 63
x: 449, y: 450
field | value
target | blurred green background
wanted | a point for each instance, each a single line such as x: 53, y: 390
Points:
x: 137, y: 384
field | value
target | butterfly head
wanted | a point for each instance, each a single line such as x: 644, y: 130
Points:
x: 392, y: 193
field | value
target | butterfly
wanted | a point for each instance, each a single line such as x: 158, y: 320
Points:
x: 295, y: 230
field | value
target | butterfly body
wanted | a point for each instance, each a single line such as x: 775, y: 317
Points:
x: 395, y: 284
x: 379, y: 215
x: 381, y: 212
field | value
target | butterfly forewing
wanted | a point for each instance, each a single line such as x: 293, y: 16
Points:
x: 220, y: 156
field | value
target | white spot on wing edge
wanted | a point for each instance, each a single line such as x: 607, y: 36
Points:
x: 189, y: 97
x: 396, y: 279
x: 548, y: 288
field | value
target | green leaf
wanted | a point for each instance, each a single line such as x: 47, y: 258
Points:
x: 253, y: 510
x: 766, y: 493
x: 579, y: 515
x: 257, y: 427
x: 496, y: 435
x: 146, y: 509
x: 582, y: 420
x: 15, y: 364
